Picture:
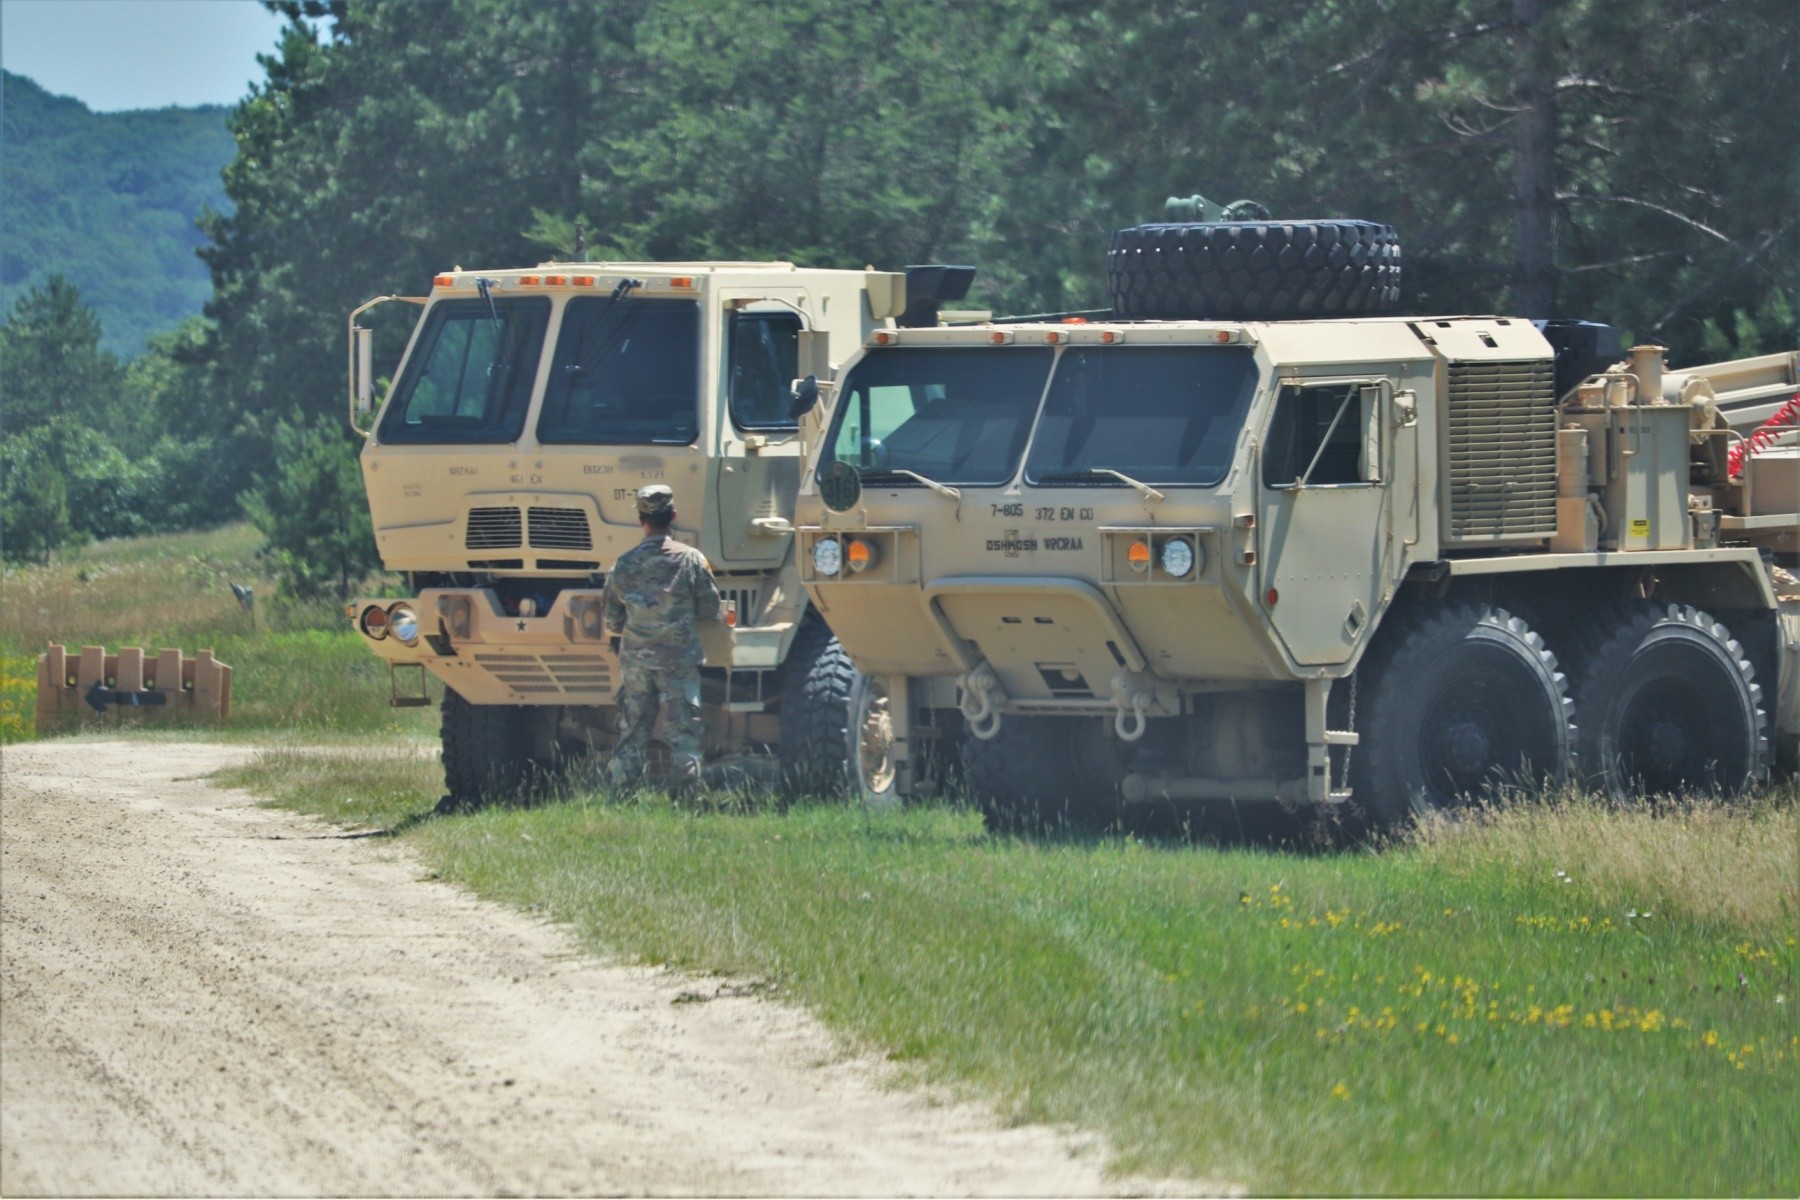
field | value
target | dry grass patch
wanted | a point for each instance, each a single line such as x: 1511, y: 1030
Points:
x: 1705, y: 860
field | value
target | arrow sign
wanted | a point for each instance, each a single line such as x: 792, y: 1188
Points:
x: 99, y: 696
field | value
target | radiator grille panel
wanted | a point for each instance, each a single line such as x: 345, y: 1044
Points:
x: 492, y: 529
x: 549, y: 674
x: 560, y: 529
x: 1500, y: 451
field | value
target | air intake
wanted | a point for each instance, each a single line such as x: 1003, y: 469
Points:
x: 1500, y: 452
x: 492, y: 529
x: 560, y: 529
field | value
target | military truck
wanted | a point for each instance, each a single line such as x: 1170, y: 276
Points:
x: 1250, y: 535
x: 502, y: 466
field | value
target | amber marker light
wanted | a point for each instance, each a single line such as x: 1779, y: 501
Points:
x: 556, y: 280
x: 1109, y: 337
x: 1139, y: 556
x: 1271, y: 597
x: 1053, y: 337
x: 861, y: 554
x: 375, y: 622
x: 529, y: 280
x: 996, y: 338
x: 884, y: 339
x: 682, y: 281
x: 582, y: 280
x: 1223, y: 336
x: 443, y: 281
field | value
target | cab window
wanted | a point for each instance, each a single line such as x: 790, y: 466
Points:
x: 626, y: 372
x: 953, y: 415
x: 1324, y: 435
x: 765, y: 357
x: 470, y: 379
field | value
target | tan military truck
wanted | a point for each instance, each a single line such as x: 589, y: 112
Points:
x: 1292, y: 548
x: 502, y: 466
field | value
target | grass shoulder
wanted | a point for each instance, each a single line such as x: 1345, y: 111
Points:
x: 1563, y: 998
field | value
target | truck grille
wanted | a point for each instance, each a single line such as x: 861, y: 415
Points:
x: 1500, y: 451
x: 560, y: 529
x: 492, y: 529
x: 549, y: 674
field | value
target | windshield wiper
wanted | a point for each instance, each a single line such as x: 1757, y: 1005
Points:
x: 942, y: 489
x: 1149, y: 493
x: 486, y: 288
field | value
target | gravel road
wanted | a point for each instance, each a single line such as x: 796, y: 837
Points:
x: 199, y: 995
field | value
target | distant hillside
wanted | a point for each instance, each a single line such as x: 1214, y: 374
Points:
x: 109, y: 200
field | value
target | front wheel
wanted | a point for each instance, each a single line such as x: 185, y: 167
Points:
x: 1461, y: 704
x: 816, y: 683
x: 1669, y: 704
x: 874, y: 763
x: 493, y: 750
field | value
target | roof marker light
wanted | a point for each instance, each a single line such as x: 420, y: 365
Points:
x: 556, y: 280
x: 1109, y: 337
x: 884, y: 338
x: 1053, y: 337
x: 528, y: 280
x: 682, y: 281
x: 443, y: 281
x: 582, y: 280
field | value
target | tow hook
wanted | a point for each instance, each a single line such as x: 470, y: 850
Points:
x: 982, y: 698
x: 1133, y: 693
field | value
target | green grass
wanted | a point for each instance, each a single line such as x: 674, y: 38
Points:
x: 295, y: 668
x: 1559, y: 999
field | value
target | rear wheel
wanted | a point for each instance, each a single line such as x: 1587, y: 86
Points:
x: 1669, y: 704
x: 1040, y: 773
x: 493, y: 751
x: 816, y: 682
x: 1464, y: 703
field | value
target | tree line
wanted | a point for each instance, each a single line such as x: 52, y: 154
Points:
x: 1629, y: 161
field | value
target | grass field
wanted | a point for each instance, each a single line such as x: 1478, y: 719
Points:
x: 297, y: 668
x: 1553, y: 999
x: 1558, y: 998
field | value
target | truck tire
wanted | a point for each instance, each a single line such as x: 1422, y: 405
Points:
x: 1026, y: 779
x: 487, y: 751
x: 1669, y: 704
x: 816, y: 681
x: 874, y: 774
x: 1461, y: 703
x: 1254, y: 270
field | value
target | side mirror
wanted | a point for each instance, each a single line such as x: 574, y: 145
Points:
x: 806, y: 397
x: 365, y: 386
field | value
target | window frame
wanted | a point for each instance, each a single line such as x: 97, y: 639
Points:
x: 1375, y: 395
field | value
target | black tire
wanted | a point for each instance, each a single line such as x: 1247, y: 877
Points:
x: 488, y: 752
x: 816, y: 682
x: 1463, y: 703
x: 1669, y: 704
x: 1027, y: 778
x: 1254, y: 270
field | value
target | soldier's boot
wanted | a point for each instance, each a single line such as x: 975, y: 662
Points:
x: 625, y: 772
x: 684, y: 777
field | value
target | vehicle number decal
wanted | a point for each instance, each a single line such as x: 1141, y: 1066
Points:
x: 1008, y: 510
x: 1062, y: 543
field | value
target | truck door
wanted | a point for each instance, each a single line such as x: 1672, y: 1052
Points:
x: 758, y: 469
x: 1325, y: 527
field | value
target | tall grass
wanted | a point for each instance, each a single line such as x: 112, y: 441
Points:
x: 294, y: 667
x: 1536, y: 1000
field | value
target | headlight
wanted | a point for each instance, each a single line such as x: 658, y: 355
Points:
x: 374, y: 622
x: 828, y: 556
x: 1178, y: 556
x: 404, y: 623
x: 861, y: 554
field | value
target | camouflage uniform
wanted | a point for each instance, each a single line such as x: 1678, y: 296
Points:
x: 657, y: 591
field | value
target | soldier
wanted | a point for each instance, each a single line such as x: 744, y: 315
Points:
x: 657, y: 591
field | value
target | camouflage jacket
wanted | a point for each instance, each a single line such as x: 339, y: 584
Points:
x: 656, y: 593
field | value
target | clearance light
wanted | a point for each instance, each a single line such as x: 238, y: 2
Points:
x: 1271, y: 597
x: 1247, y: 557
x: 861, y: 555
x: 582, y: 280
x: 1178, y: 556
x: 443, y: 281
x: 556, y: 280
x: 1074, y: 320
x: 1109, y: 337
x: 528, y: 280
x: 885, y: 339
x: 1244, y: 520
x: 682, y: 281
x: 997, y: 338
x: 828, y: 556
x: 1053, y: 338
x: 404, y: 623
x: 731, y: 614
x: 375, y: 622
x: 1139, y: 556
x: 1223, y: 335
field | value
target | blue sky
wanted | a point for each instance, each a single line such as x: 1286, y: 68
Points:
x: 121, y: 54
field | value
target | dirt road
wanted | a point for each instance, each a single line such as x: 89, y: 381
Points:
x: 199, y: 995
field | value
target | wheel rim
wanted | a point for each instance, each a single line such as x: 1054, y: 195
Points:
x: 875, y: 739
x: 1482, y: 730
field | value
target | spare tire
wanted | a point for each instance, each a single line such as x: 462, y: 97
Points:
x: 1254, y: 270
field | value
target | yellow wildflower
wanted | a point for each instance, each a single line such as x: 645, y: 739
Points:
x: 1339, y: 1091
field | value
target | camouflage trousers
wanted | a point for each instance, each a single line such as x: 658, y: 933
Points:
x: 643, y: 693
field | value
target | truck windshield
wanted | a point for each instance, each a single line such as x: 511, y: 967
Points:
x: 954, y: 415
x: 626, y: 372
x: 1160, y: 414
x: 470, y: 378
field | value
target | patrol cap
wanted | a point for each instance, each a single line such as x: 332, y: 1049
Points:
x: 655, y: 498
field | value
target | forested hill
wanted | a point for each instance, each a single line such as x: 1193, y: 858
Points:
x: 108, y: 200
